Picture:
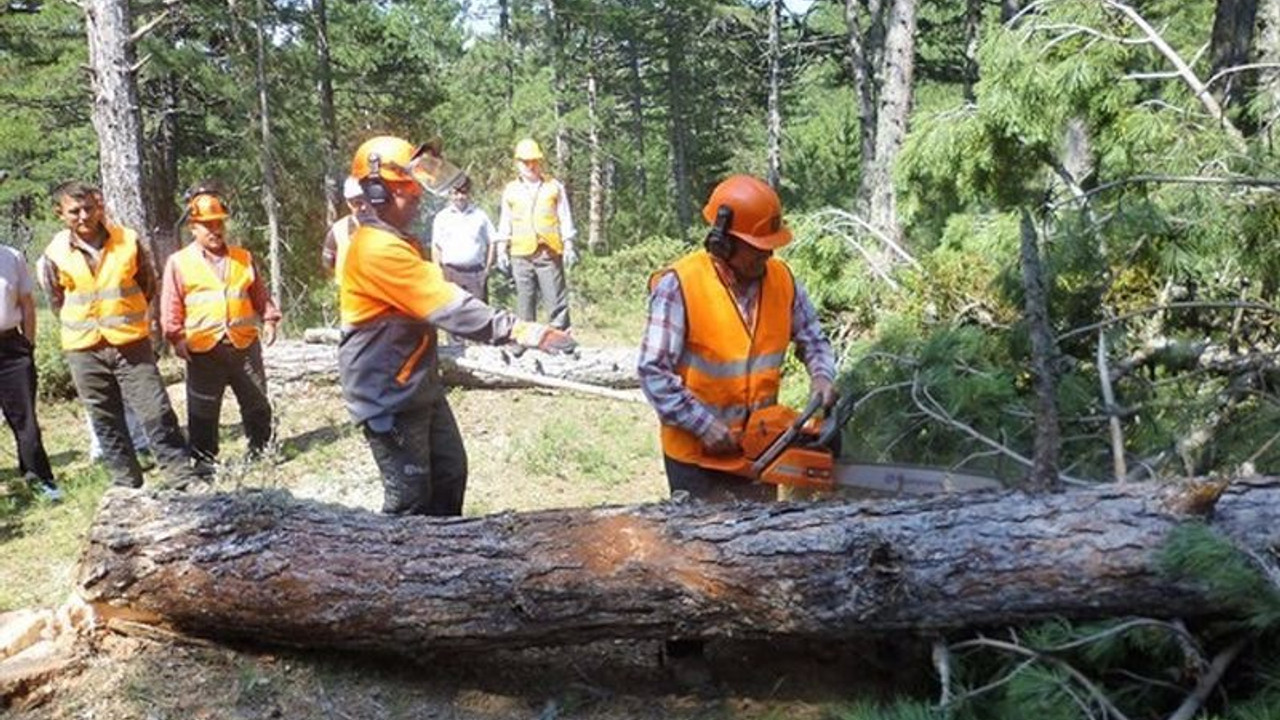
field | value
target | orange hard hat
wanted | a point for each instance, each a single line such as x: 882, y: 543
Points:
x: 757, y: 211
x: 386, y: 157
x: 206, y: 206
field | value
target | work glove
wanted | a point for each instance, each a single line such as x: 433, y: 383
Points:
x: 718, y: 440
x: 504, y: 262
x: 546, y: 339
x: 570, y: 256
x: 180, y: 348
x: 822, y: 389
x: 268, y: 334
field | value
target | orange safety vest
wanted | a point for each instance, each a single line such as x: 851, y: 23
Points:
x: 102, y: 306
x: 730, y: 368
x: 217, y: 307
x: 534, y: 217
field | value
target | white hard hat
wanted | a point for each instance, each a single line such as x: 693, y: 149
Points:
x: 351, y: 189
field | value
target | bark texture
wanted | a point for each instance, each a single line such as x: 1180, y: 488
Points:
x: 266, y: 567
x: 117, y: 120
x: 317, y: 360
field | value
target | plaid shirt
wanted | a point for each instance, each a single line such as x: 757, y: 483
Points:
x: 662, y: 349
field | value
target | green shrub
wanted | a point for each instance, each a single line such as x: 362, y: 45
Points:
x: 54, y: 377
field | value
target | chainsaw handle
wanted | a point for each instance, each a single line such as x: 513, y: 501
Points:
x: 785, y: 439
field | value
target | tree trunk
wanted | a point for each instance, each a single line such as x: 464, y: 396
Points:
x: 1268, y: 51
x: 333, y: 176
x: 774, y: 171
x: 865, y: 46
x: 161, y: 157
x: 266, y: 160
x: 595, y: 201
x: 316, y: 360
x: 636, y: 100
x: 1233, y: 23
x: 559, y: 83
x: 682, y: 193
x: 972, y: 38
x: 269, y: 568
x: 896, y: 75
x: 116, y: 115
x: 1044, y: 469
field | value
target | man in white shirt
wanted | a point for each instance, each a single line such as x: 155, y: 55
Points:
x: 462, y: 242
x: 18, y: 370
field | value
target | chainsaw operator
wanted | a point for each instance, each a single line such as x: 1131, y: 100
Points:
x: 217, y: 314
x: 392, y: 300
x: 720, y: 322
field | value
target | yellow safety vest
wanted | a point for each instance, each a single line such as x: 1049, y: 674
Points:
x: 534, y: 217
x: 102, y: 306
x: 217, y: 307
x: 729, y: 367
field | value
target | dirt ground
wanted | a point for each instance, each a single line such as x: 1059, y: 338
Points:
x: 528, y: 449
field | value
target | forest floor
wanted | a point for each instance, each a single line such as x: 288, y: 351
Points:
x: 528, y: 449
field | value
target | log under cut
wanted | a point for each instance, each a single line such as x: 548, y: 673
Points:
x: 267, y: 567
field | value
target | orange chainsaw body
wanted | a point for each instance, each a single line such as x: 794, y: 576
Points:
x: 803, y: 463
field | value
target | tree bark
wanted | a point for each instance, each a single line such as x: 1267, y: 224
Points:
x: 117, y: 119
x: 1268, y: 52
x: 317, y: 360
x: 865, y: 44
x: 1233, y: 24
x: 774, y: 171
x: 896, y: 74
x: 265, y: 157
x: 678, y: 134
x: 269, y: 568
x: 333, y: 176
x: 161, y: 158
x: 595, y: 200
x: 1044, y: 470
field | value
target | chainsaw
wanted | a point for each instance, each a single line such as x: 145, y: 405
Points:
x: 797, y: 449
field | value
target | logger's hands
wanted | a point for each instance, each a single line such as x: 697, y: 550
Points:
x: 180, y: 349
x: 557, y: 341
x: 822, y: 389
x: 718, y: 440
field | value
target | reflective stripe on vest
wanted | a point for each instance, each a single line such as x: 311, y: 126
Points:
x: 731, y: 369
x: 216, y: 307
x: 535, y: 219
x: 102, y: 305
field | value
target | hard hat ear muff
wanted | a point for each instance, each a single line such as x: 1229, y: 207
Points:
x: 718, y: 241
x: 375, y: 190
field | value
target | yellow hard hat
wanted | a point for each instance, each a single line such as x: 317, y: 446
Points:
x: 528, y: 149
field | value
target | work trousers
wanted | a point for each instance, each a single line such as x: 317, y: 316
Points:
x: 473, y: 280
x: 541, y: 275
x: 108, y: 375
x: 714, y: 485
x: 422, y: 460
x: 18, y: 400
x: 208, y: 375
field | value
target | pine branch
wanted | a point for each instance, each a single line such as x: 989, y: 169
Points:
x: 1187, y: 305
x: 1209, y: 681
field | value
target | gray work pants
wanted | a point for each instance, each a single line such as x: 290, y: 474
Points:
x: 422, y: 460
x: 541, y: 274
x: 208, y: 375
x: 108, y: 375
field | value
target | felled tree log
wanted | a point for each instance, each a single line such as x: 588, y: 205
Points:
x: 269, y: 568
x: 483, y: 366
